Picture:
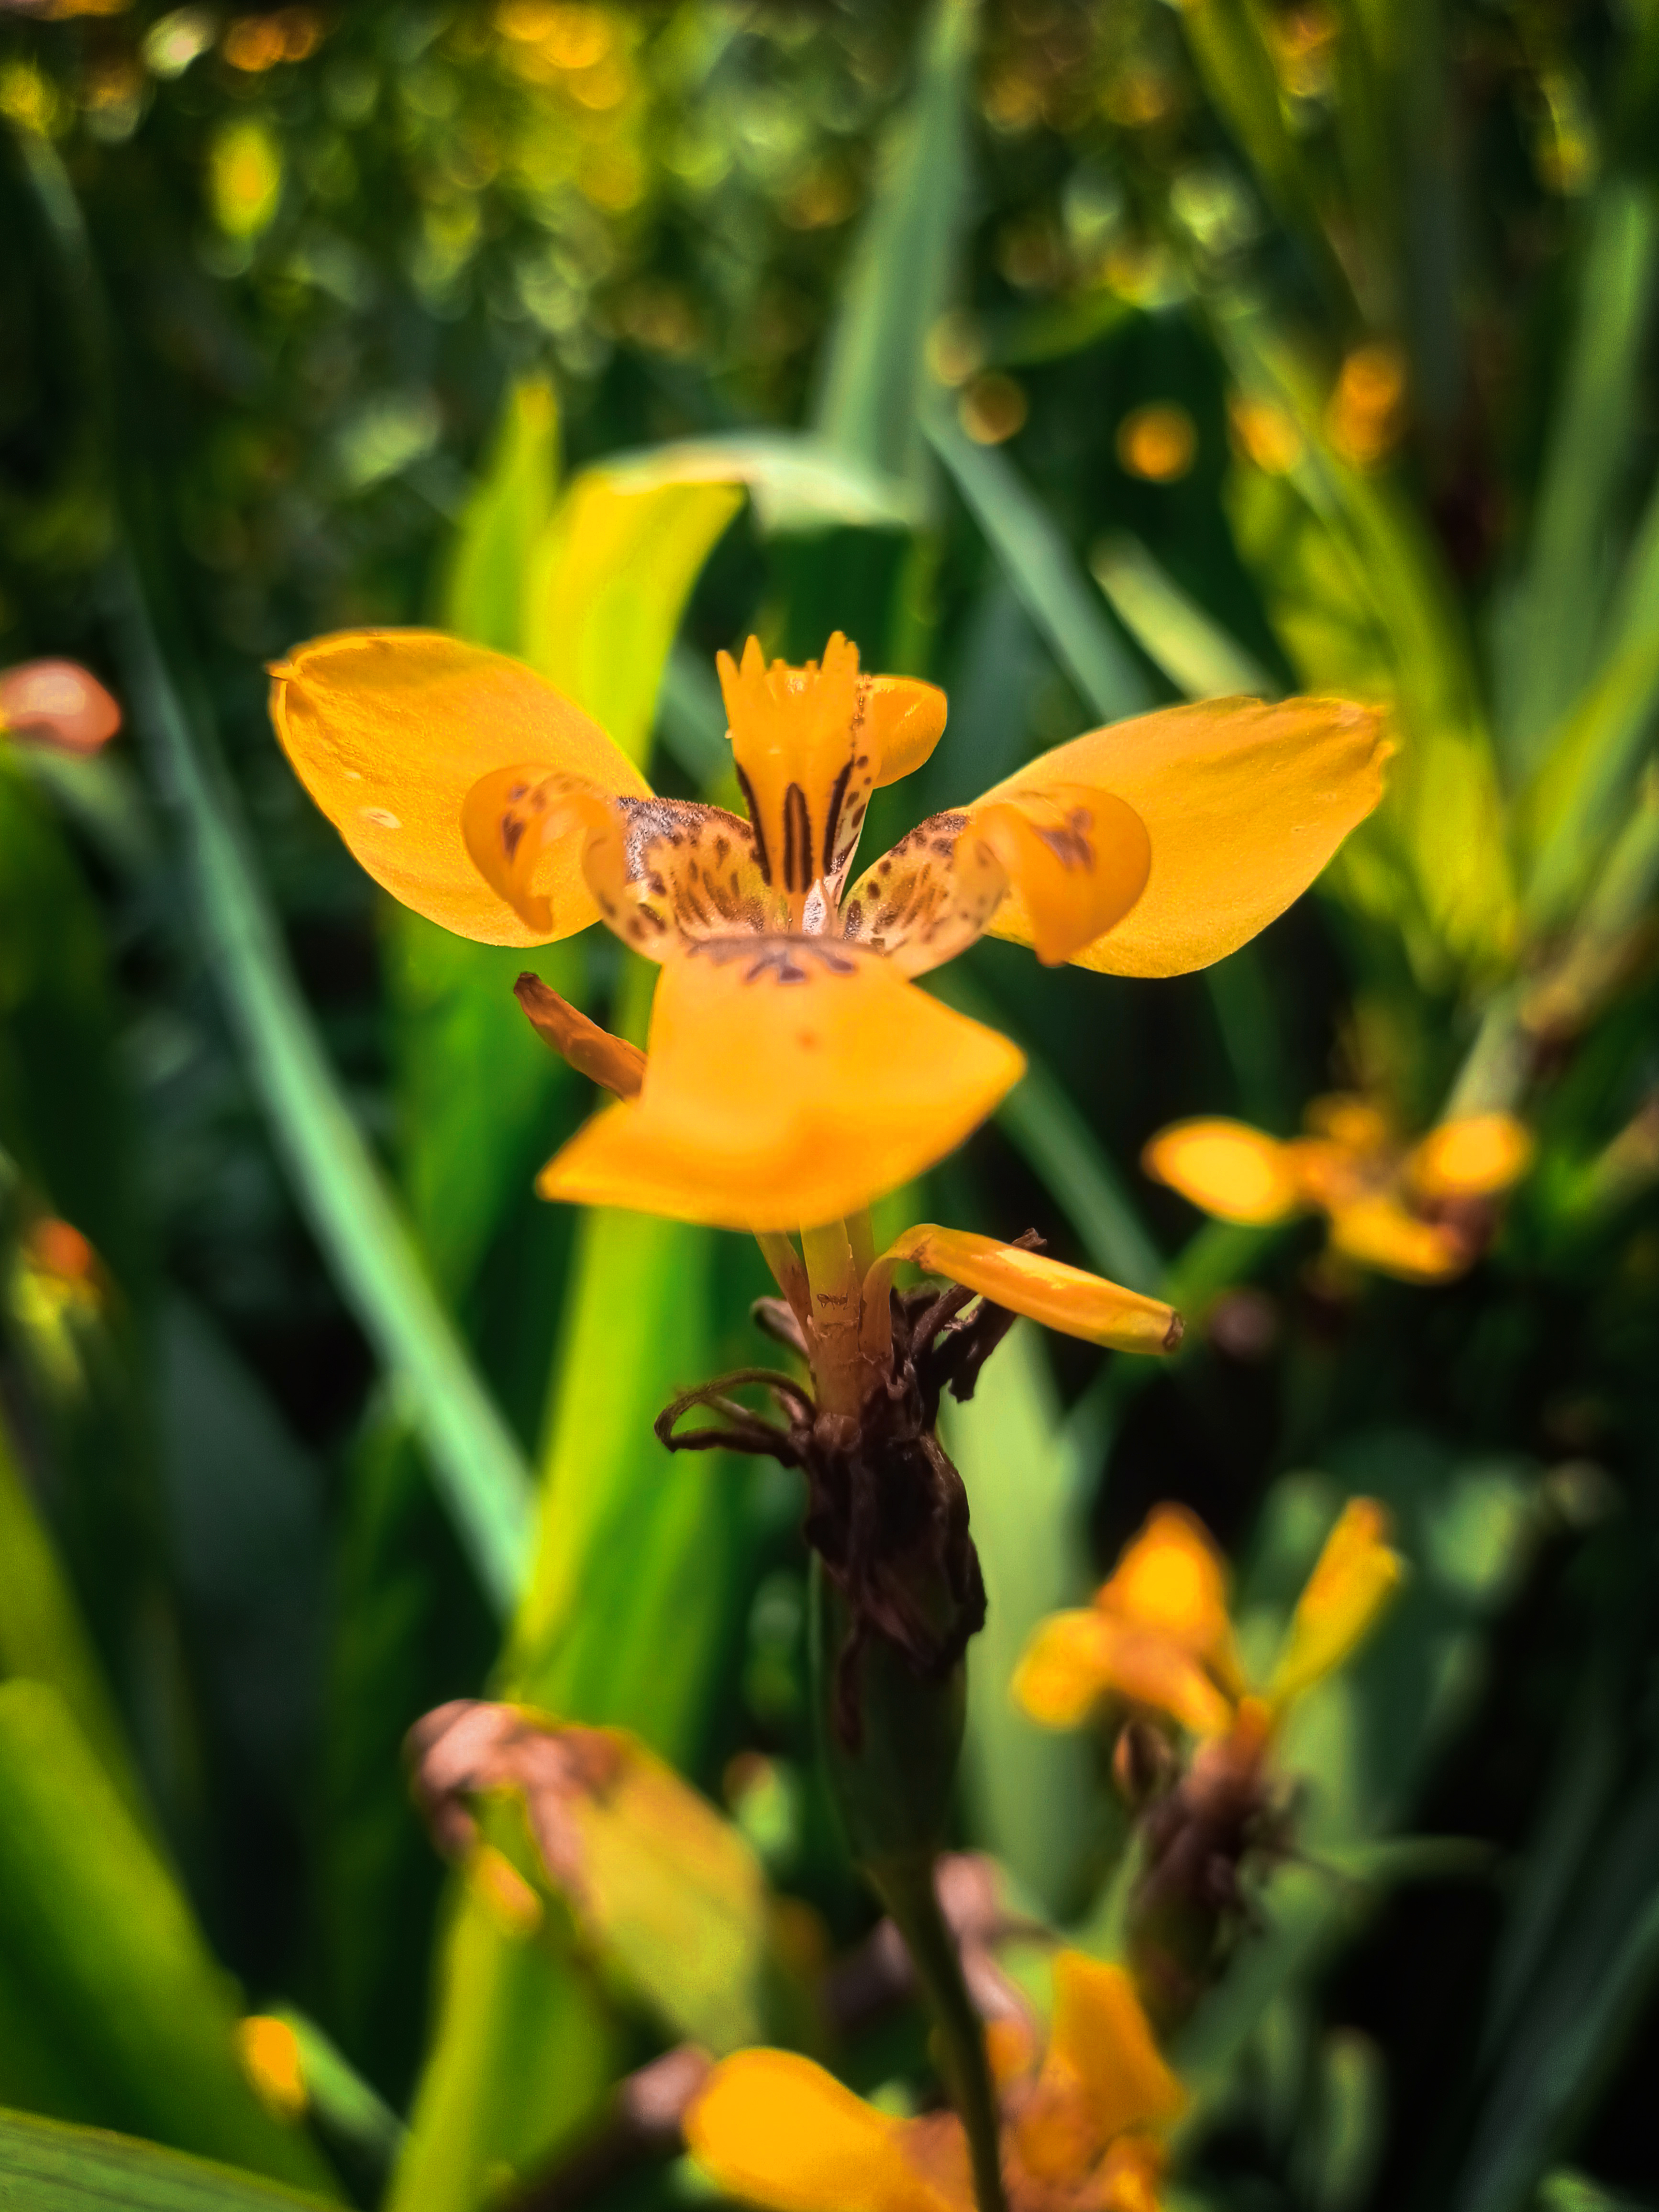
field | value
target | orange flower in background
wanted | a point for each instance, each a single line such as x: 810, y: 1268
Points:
x: 1159, y: 1636
x: 1081, y: 2129
x: 1423, y: 1212
x: 57, y: 704
x: 794, y: 1072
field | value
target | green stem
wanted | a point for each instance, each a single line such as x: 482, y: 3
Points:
x: 906, y: 1887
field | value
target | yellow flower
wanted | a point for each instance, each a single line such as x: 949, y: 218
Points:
x: 771, y: 2127
x: 1158, y: 1634
x: 1422, y: 1213
x: 794, y: 1071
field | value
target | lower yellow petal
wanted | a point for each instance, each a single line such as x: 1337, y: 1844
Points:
x: 771, y: 2127
x: 788, y: 1080
x: 1243, y: 804
x: 1231, y: 1170
x: 389, y: 730
x: 1353, y: 1579
x: 1476, y: 1158
x: 1102, y: 2038
x: 1379, y: 1232
x: 1062, y: 1298
x: 1170, y: 1577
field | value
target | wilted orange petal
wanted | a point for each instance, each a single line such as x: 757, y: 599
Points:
x: 1230, y: 1169
x: 1062, y: 1298
x: 1475, y: 1158
x: 389, y: 730
x: 771, y: 2127
x: 1061, y: 1674
x: 788, y: 1080
x: 591, y: 1051
x: 1380, y: 1233
x: 1244, y: 803
x: 57, y: 702
x: 1353, y: 1579
x: 1076, y: 860
x: 1102, y: 2037
x: 1172, y: 1578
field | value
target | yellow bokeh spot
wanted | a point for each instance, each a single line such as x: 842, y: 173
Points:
x: 1267, y: 434
x: 270, y: 2053
x: 1366, y: 417
x: 1157, y: 443
x: 993, y: 408
x: 244, y: 178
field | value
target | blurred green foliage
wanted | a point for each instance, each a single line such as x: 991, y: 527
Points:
x: 1080, y: 358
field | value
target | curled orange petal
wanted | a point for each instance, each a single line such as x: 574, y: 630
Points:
x: 1075, y: 859
x: 591, y: 1051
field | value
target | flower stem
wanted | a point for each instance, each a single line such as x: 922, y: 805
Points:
x: 906, y: 1887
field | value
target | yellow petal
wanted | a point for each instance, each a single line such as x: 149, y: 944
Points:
x: 1061, y: 1675
x: 1074, y: 1660
x: 1171, y: 1578
x: 1352, y: 1580
x: 1230, y: 1169
x: 389, y: 730
x: 1379, y: 1233
x: 804, y: 762
x: 1475, y: 1158
x: 771, y: 2127
x: 903, y: 720
x: 591, y: 1051
x: 1103, y: 2038
x: 788, y: 1080
x: 1062, y: 1298
x: 1074, y: 860
x: 1244, y: 804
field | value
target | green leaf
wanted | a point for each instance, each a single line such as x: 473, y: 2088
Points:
x: 43, y: 1637
x: 100, y: 1947
x: 47, y: 2167
x: 905, y: 270
x: 1038, y: 564
x: 505, y: 518
x: 1547, y: 635
x: 1030, y: 1795
x: 474, y: 1458
x: 1200, y: 658
x: 606, y: 587
x: 796, y: 481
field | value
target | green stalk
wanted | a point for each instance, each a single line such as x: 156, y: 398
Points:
x: 906, y: 1887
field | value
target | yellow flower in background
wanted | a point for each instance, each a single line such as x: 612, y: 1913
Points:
x: 1159, y: 1636
x: 1079, y: 2130
x: 1422, y: 1213
x: 794, y: 1072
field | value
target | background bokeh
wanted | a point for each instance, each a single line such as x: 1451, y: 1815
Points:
x: 1080, y: 358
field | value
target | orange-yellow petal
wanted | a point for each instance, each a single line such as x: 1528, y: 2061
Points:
x: 1062, y: 1672
x: 1062, y: 1298
x: 788, y: 1080
x: 772, y: 2128
x: 804, y: 762
x: 1076, y: 1659
x: 1171, y: 1578
x: 1380, y: 1233
x: 903, y: 720
x: 1475, y: 1158
x: 1230, y: 1169
x: 389, y: 730
x: 1244, y: 804
x: 1102, y: 2038
x: 1355, y: 1575
x: 1074, y: 860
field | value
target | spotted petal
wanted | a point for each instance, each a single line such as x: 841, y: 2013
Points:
x: 1244, y: 804
x: 389, y: 730
x: 772, y: 2128
x: 788, y: 1080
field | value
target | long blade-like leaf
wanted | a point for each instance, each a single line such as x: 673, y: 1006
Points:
x: 46, y: 2165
